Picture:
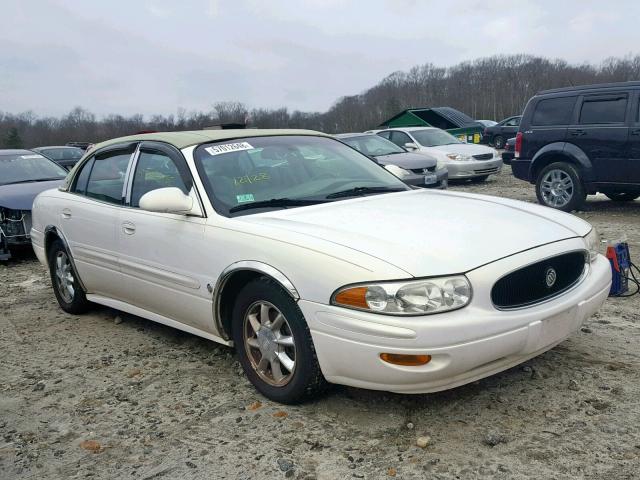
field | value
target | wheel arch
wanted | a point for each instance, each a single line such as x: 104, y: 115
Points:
x: 231, y: 281
x: 51, y: 234
x: 561, y: 152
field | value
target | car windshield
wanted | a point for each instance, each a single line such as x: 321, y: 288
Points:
x: 62, y: 153
x: 434, y: 137
x: 286, y: 171
x: 373, y: 145
x: 28, y: 167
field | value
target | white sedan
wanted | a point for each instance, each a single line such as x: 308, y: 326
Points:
x: 464, y: 161
x: 314, y: 261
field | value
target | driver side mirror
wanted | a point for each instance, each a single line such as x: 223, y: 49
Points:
x: 411, y: 146
x: 167, y: 200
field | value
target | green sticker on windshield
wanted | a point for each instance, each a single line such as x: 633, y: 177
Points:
x: 247, y: 197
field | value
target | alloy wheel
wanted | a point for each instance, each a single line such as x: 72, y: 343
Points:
x: 269, y: 343
x: 64, y: 277
x: 557, y: 188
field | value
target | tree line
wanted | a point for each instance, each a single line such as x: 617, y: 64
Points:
x: 487, y: 88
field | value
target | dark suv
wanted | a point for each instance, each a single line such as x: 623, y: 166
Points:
x: 577, y: 141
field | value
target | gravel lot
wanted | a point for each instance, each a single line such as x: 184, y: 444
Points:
x: 109, y: 395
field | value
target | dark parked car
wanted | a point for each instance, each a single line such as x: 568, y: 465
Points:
x: 509, y: 151
x: 65, y: 156
x: 417, y: 169
x: 23, y: 175
x: 503, y: 131
x: 578, y: 141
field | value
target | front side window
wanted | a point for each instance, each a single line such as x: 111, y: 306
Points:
x: 29, y: 167
x: 156, y: 170
x: 286, y: 171
x: 373, y: 145
x: 400, y: 138
x: 599, y: 110
x: 434, y: 137
x: 553, y: 111
x: 106, y: 180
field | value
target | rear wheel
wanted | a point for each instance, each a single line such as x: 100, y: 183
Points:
x: 498, y: 141
x: 274, y: 344
x: 622, y: 197
x: 559, y: 186
x: 64, y: 279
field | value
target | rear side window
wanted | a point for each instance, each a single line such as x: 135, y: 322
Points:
x: 603, y: 109
x: 553, y: 111
x: 106, y: 180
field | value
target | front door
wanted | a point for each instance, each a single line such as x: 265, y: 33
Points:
x: 159, y: 251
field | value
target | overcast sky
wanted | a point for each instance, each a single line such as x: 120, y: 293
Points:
x: 155, y: 56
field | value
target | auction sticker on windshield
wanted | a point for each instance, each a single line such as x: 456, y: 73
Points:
x: 248, y: 197
x: 228, y: 147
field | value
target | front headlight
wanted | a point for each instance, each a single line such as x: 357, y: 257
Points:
x: 416, y: 297
x: 459, y: 157
x: 592, y: 239
x: 398, y: 171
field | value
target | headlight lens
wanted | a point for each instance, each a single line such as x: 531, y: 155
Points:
x: 398, y: 171
x: 459, y: 157
x: 592, y: 239
x: 417, y: 297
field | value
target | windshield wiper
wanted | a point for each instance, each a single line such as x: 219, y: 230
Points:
x: 275, y: 202
x: 358, y: 191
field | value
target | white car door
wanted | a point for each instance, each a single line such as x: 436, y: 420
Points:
x: 89, y: 219
x: 161, y: 253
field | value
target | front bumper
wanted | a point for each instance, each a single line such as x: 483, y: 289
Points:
x: 466, y: 344
x: 14, y: 230
x: 437, y: 179
x: 473, y: 168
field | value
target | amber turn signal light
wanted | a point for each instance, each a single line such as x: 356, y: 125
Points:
x: 353, y: 297
x: 405, y: 360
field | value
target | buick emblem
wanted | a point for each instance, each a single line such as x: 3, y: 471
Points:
x: 550, y: 277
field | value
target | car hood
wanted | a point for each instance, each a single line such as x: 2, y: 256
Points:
x: 19, y: 196
x: 426, y: 232
x: 464, y: 148
x: 407, y: 160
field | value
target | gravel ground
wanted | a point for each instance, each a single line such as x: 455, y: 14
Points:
x: 109, y: 395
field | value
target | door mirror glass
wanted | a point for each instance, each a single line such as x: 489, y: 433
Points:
x: 167, y: 200
x: 410, y: 146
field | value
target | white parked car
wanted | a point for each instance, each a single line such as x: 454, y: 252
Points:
x: 315, y: 262
x: 463, y: 160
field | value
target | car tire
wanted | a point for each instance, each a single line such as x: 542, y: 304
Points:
x: 64, y: 280
x: 498, y: 141
x: 622, y: 197
x: 481, y: 179
x: 279, y: 357
x: 559, y: 186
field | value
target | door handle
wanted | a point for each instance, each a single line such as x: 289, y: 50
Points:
x: 635, y: 131
x: 128, y: 228
x: 66, y: 213
x: 578, y: 133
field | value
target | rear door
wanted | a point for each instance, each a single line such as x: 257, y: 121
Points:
x: 601, y: 131
x: 89, y: 218
x: 633, y: 167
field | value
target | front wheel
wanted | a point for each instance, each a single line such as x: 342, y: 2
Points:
x: 622, y: 197
x: 274, y: 344
x: 64, y: 279
x: 559, y: 186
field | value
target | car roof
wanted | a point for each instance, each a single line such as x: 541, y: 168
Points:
x: 15, y: 151
x: 412, y: 129
x: 55, y: 146
x: 350, y: 135
x: 195, y: 137
x: 591, y: 87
